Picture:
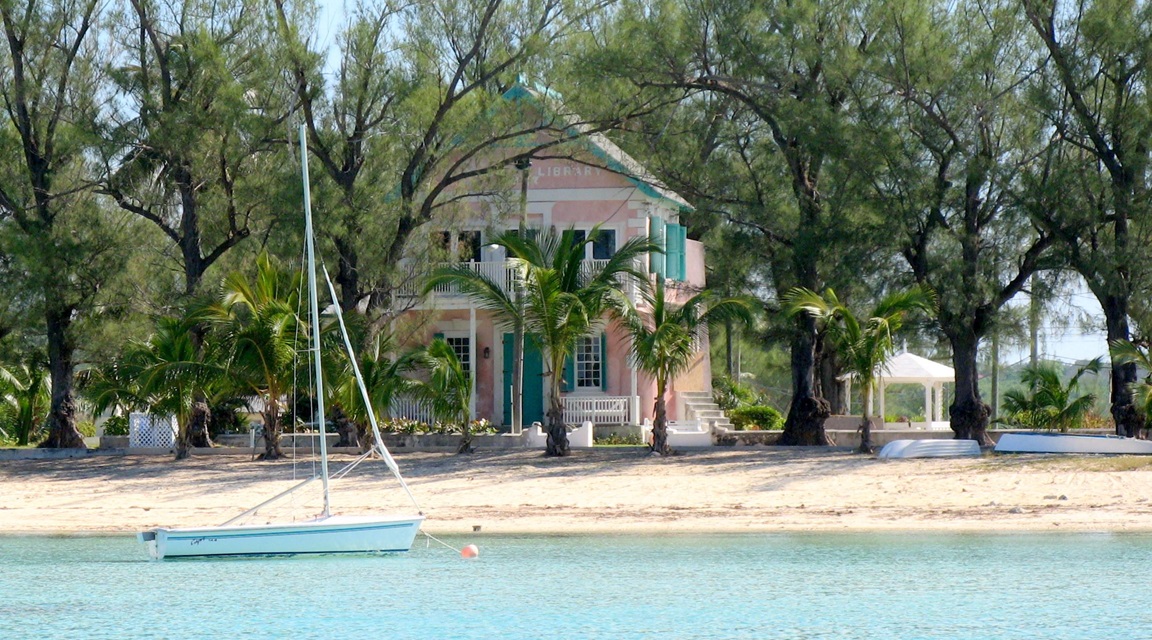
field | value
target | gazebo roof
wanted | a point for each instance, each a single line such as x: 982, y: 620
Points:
x: 911, y: 368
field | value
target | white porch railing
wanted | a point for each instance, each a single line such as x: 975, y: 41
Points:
x: 597, y: 410
x: 406, y: 408
x: 498, y: 271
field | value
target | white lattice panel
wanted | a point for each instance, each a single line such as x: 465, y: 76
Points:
x: 151, y: 431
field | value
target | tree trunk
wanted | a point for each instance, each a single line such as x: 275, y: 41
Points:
x: 272, y: 449
x: 969, y: 414
x: 807, y: 412
x: 190, y: 245
x: 348, y: 432
x: 199, y: 425
x: 465, y: 445
x: 183, y: 444
x: 557, y: 431
x: 660, y: 423
x: 347, y: 273
x: 830, y: 387
x: 1129, y: 420
x: 62, y: 431
x: 866, y: 423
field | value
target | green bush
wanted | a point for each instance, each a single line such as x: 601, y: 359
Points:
x: 116, y: 426
x: 619, y: 439
x: 758, y: 418
x: 730, y: 394
x: 86, y: 428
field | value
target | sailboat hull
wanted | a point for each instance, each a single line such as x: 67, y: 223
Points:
x: 334, y: 534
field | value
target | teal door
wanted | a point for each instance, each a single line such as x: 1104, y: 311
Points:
x: 533, y: 380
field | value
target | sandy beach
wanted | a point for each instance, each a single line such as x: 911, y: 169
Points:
x: 752, y: 489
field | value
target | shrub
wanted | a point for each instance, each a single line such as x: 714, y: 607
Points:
x: 619, y: 439
x: 116, y: 426
x: 86, y: 428
x: 757, y: 418
x: 730, y: 394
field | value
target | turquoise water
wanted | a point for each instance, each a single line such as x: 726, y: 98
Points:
x: 765, y: 586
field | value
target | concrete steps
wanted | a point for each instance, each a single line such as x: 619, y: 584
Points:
x: 698, y: 405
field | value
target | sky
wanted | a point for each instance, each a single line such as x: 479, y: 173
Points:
x: 1062, y: 336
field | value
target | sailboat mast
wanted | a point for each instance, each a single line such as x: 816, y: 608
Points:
x: 314, y: 311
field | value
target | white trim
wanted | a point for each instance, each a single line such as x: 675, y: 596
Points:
x: 473, y: 365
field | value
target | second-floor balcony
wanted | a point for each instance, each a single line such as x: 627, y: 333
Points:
x: 501, y: 272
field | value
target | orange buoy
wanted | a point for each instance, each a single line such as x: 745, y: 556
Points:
x: 469, y: 551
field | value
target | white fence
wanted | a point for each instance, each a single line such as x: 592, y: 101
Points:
x: 597, y: 410
x: 151, y: 431
x: 406, y: 408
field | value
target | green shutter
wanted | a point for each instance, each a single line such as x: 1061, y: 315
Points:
x: 683, y: 252
x: 674, y: 260
x: 603, y: 361
x: 437, y: 336
x: 656, y: 236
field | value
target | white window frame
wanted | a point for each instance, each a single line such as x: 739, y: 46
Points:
x: 449, y: 336
x: 598, y: 360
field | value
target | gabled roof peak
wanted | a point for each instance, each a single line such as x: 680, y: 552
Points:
x: 614, y: 158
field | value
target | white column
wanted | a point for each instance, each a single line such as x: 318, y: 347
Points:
x: 928, y: 409
x: 939, y: 409
x: 472, y: 359
x: 880, y: 392
x: 634, y: 403
x: 848, y: 395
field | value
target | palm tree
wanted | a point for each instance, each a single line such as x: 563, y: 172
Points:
x: 448, y: 390
x: 178, y: 376
x: 259, y: 326
x: 1046, y: 402
x: 564, y: 298
x: 383, y: 379
x: 863, y: 343
x: 665, y: 340
x: 171, y: 373
x: 26, y: 391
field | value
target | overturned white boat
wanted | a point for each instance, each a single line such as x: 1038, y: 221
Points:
x: 1071, y: 443
x: 929, y: 449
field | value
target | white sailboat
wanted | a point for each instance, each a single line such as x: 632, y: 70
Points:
x: 327, y: 533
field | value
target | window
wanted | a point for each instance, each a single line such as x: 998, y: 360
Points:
x: 463, y: 354
x: 589, y: 363
x: 468, y: 246
x: 602, y: 247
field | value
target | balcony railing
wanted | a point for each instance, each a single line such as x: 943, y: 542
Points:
x: 500, y: 272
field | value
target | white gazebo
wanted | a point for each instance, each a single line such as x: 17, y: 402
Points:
x: 908, y: 368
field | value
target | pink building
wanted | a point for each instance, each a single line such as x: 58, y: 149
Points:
x: 606, y: 188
